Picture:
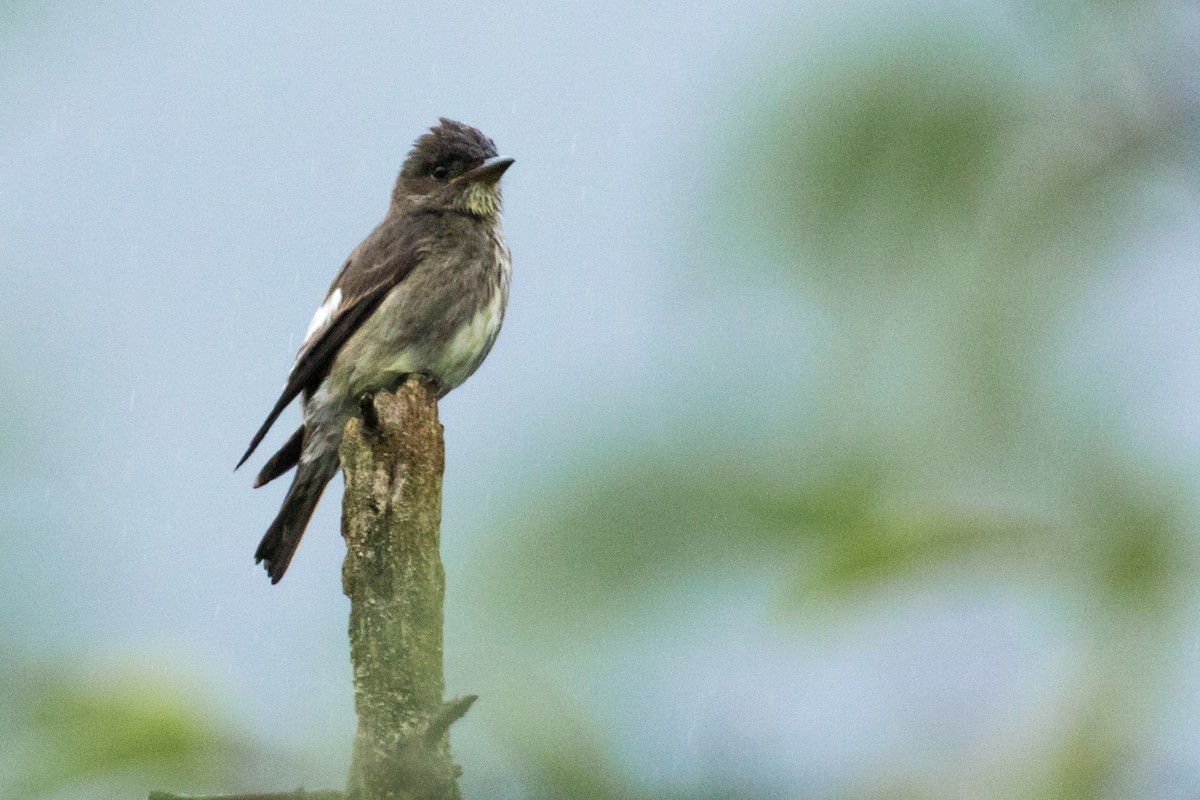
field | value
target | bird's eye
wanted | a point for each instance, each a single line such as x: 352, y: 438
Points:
x: 440, y: 172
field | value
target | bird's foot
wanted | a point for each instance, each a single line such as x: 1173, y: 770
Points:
x: 434, y: 384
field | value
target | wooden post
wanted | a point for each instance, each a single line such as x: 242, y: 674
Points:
x: 393, y: 460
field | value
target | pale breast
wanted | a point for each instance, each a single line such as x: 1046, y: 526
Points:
x: 467, y: 348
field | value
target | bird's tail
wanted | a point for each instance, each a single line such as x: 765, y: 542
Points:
x: 277, y: 547
x: 287, y: 457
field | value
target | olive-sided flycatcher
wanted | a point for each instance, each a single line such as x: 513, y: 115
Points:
x: 423, y: 294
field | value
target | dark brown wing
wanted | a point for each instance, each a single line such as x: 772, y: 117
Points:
x: 376, y: 267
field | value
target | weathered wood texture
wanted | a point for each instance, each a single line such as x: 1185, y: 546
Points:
x: 393, y: 460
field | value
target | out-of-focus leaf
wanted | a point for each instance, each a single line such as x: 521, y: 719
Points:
x: 1090, y: 759
x: 632, y: 528
x: 1085, y: 771
x: 903, y: 544
x: 558, y: 749
x: 561, y: 754
x: 1140, y: 552
x: 941, y: 159
x: 637, y: 530
x: 1073, y: 184
x: 859, y: 171
x: 73, y: 733
x: 847, y: 527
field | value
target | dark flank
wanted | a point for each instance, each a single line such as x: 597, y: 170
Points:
x: 423, y: 294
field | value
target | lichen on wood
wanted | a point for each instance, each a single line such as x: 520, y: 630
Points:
x: 393, y: 459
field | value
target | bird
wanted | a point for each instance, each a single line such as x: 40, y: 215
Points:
x: 424, y: 294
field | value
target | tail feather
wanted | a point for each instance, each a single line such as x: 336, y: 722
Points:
x: 282, y: 403
x: 287, y: 457
x: 277, y: 547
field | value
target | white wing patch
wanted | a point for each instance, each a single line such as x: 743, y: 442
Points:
x: 324, y: 314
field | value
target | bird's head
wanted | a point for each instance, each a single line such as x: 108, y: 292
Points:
x: 453, y: 167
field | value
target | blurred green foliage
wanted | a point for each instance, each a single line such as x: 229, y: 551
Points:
x: 873, y: 158
x: 122, y: 734
x: 943, y: 197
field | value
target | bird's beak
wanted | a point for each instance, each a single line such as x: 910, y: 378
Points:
x: 487, y: 172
